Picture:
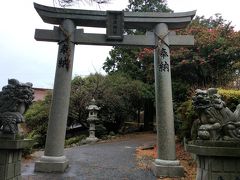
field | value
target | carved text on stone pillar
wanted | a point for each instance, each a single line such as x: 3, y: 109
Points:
x: 163, y: 53
x: 164, y: 66
x: 63, y: 61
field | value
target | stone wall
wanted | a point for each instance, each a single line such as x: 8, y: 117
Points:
x: 218, y: 168
x: 10, y: 164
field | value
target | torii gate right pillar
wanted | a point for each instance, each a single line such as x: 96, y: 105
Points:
x: 166, y: 163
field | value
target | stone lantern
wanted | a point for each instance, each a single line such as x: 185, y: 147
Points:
x: 92, y: 119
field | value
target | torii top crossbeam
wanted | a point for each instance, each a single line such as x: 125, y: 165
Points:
x: 132, y: 20
x: 115, y: 23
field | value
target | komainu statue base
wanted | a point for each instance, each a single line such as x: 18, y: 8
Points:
x: 216, y: 160
x: 10, y: 157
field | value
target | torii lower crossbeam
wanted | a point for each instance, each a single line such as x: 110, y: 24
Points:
x: 147, y: 40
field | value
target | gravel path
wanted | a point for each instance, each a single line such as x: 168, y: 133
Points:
x: 113, y: 160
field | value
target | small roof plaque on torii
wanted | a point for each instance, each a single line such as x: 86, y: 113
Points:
x: 115, y: 22
x: 115, y: 25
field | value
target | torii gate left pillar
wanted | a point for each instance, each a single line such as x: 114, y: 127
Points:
x: 67, y: 35
x: 53, y: 159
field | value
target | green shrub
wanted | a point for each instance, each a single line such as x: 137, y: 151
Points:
x: 231, y: 97
x: 180, y: 91
x: 27, y: 152
x: 37, y: 120
x: 74, y: 140
x: 29, y: 149
x: 101, y: 130
x: 187, y: 116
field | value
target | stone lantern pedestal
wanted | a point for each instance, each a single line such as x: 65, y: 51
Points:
x: 216, y: 160
x: 10, y: 157
x: 92, y: 137
x: 92, y: 119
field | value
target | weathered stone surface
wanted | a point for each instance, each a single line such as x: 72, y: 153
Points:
x: 2, y: 171
x: 167, y: 171
x: 15, y: 98
x: 92, y: 119
x: 216, y: 121
x: 132, y: 20
x: 163, y: 165
x: 216, y: 161
x: 51, y: 164
x: 80, y: 37
x: 10, y: 158
x: 41, y: 166
x: 54, y: 147
x: 213, y: 151
x: 163, y: 95
x: 10, y: 171
x: 218, y: 167
x: 15, y: 144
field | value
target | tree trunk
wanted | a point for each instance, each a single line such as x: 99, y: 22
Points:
x: 148, y: 115
x: 138, y: 116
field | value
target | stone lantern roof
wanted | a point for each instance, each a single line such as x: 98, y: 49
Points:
x: 93, y: 106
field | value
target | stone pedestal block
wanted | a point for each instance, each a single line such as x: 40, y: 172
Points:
x: 167, y: 168
x: 51, y: 164
x: 91, y: 139
x: 216, y: 160
x: 10, y: 158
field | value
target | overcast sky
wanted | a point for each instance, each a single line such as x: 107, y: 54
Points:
x: 27, y: 60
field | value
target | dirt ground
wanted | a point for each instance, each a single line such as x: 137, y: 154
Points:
x: 145, y: 157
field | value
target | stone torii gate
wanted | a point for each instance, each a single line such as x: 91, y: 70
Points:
x: 67, y: 35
